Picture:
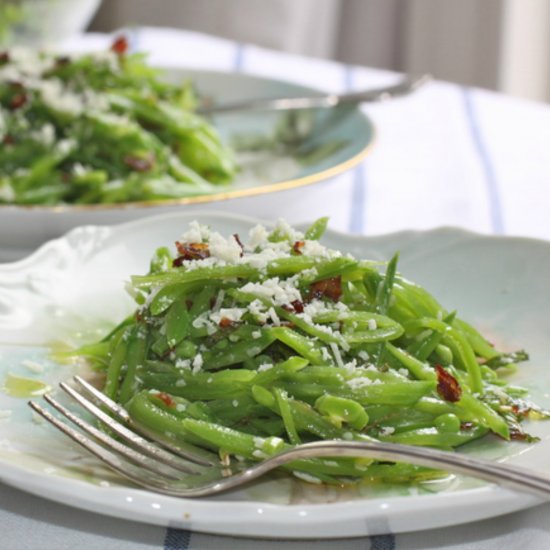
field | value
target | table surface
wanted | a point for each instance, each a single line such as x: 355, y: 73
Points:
x: 445, y: 156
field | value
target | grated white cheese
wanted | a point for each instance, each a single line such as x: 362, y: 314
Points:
x: 79, y: 169
x: 359, y: 382
x: 65, y: 146
x: 196, y: 233
x: 279, y: 292
x: 337, y: 356
x: 257, y: 237
x: 265, y: 366
x: 325, y: 354
x: 191, y: 265
x: 44, y: 135
x: 221, y: 248
x: 258, y: 310
x: 350, y: 365
x: 341, y: 306
x: 317, y: 307
x: 314, y: 248
x: 258, y: 289
x: 272, y: 314
x: 203, y: 321
x: 272, y: 251
x: 197, y: 363
x: 9, y: 73
x: 310, y: 273
x: 57, y: 97
x: 233, y: 314
x: 283, y: 227
x: 183, y: 363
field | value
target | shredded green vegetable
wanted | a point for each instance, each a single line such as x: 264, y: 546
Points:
x: 250, y: 349
x: 101, y: 128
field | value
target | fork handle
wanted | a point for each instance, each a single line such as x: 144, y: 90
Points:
x: 523, y: 480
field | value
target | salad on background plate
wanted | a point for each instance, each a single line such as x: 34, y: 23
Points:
x: 105, y: 138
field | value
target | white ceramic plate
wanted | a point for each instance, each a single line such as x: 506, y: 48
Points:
x: 336, y: 140
x: 76, y: 284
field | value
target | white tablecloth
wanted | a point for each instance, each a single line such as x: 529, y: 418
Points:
x: 447, y: 155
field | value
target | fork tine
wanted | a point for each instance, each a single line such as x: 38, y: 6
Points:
x: 185, y: 450
x: 114, y: 407
x: 108, y: 441
x: 145, y: 446
x: 112, y: 460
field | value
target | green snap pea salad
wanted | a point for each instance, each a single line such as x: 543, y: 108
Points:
x: 101, y: 128
x: 250, y: 349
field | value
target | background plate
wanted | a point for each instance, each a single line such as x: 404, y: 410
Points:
x: 76, y: 284
x: 336, y: 140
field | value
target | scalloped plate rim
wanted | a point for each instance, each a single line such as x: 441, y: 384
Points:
x: 342, y: 519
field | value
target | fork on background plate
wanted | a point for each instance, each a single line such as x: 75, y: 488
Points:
x: 405, y: 86
x: 184, y: 470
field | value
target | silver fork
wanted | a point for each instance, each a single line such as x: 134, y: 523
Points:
x: 188, y: 471
x: 405, y: 86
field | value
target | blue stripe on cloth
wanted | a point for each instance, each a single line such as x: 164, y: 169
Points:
x: 238, y: 60
x: 359, y: 185
x: 382, y: 542
x: 495, y: 207
x: 177, y: 539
